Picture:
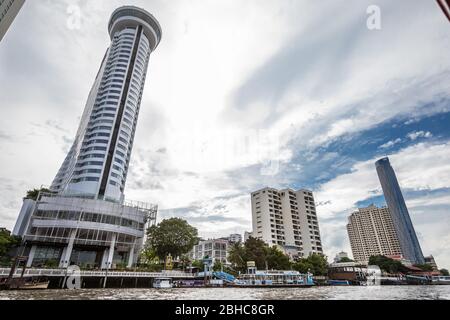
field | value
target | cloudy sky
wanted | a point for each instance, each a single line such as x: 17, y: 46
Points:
x: 241, y: 95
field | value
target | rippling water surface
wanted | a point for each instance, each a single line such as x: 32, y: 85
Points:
x: 317, y: 293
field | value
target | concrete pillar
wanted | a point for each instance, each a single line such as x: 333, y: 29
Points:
x: 105, y: 258
x: 111, y: 251
x: 65, y: 258
x: 131, y: 256
x: 31, y: 256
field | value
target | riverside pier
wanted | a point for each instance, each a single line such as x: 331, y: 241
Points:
x: 99, y: 279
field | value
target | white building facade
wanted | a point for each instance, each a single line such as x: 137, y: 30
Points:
x: 371, y: 232
x: 215, y: 249
x: 8, y: 12
x: 84, y: 219
x: 235, y: 238
x: 96, y: 166
x: 288, y: 219
x: 85, y: 232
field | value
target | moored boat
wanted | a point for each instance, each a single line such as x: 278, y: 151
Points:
x: 30, y: 283
x: 418, y: 280
x: 162, y: 283
x: 35, y: 285
x: 440, y: 280
x: 338, y: 283
x: 274, y: 279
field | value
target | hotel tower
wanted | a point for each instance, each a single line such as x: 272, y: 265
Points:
x: 8, y: 12
x: 97, y: 164
x: 85, y: 220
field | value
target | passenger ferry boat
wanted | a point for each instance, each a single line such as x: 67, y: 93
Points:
x: 440, y: 280
x: 274, y: 279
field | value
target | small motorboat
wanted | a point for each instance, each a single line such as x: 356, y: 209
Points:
x: 25, y: 284
x: 163, y: 283
x: 38, y: 284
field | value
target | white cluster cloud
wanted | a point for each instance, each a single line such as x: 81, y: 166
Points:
x: 413, y: 136
x: 419, y: 134
x: 390, y: 144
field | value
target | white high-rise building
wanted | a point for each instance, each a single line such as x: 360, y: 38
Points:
x: 96, y: 166
x: 288, y: 219
x: 84, y: 220
x: 8, y: 12
x: 371, y: 232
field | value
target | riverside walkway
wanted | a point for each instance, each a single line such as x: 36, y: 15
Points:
x: 4, y: 273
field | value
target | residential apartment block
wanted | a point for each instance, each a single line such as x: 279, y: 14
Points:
x: 288, y: 219
x: 371, y: 232
x: 215, y: 249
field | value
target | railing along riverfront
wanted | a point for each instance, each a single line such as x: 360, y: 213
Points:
x: 4, y: 272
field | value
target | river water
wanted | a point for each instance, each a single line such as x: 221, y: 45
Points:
x: 316, y: 293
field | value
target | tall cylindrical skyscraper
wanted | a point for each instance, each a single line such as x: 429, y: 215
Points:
x: 409, y: 243
x: 96, y: 166
x: 85, y: 220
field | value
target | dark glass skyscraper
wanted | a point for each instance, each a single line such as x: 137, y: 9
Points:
x: 402, y: 222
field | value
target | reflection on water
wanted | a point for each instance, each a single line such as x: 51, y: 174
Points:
x: 317, y: 293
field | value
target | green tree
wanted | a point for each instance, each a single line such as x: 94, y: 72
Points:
x: 51, y: 264
x: 444, y: 272
x: 173, y: 236
x: 303, y: 266
x: 237, y: 257
x: 258, y: 251
x: 7, y: 244
x: 185, y: 261
x: 387, y: 264
x: 277, y: 260
x: 33, y: 194
x: 198, y: 264
x: 148, y: 256
x: 316, y: 264
x: 320, y: 264
x: 218, y: 266
x: 345, y: 259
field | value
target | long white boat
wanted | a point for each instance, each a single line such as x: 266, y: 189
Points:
x: 441, y: 280
x: 275, y: 279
